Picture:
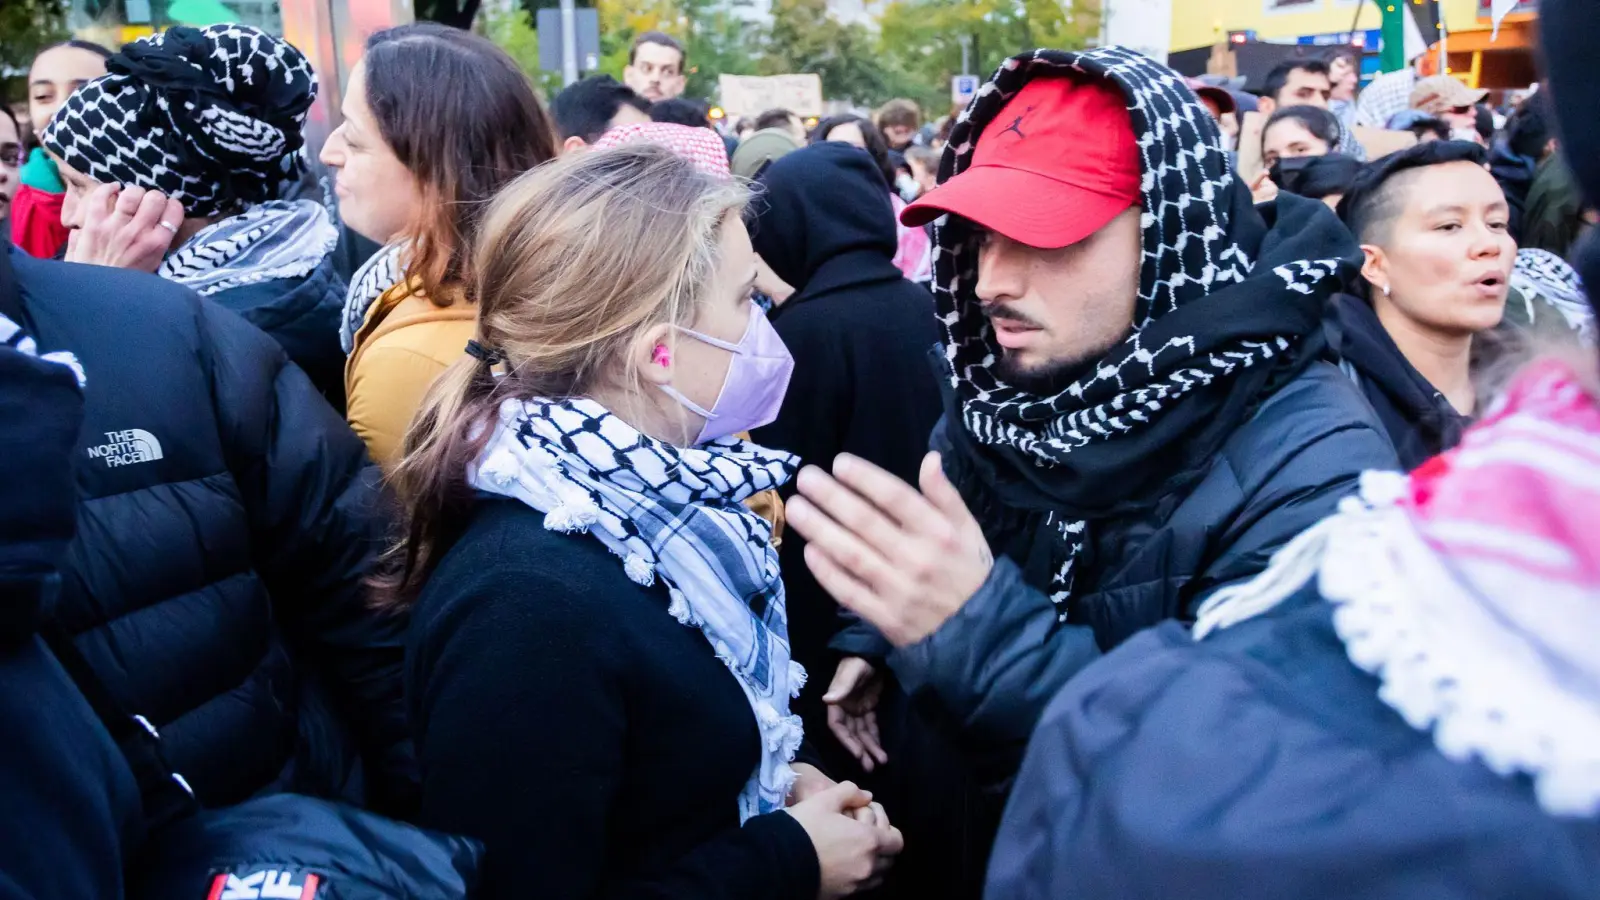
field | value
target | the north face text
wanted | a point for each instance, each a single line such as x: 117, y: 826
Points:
x: 124, y: 448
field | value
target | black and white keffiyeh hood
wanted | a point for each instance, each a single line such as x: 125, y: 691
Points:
x: 1227, y: 301
x: 212, y: 117
x: 674, y: 513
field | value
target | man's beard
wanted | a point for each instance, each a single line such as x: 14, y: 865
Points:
x: 1047, y: 380
x: 1052, y: 377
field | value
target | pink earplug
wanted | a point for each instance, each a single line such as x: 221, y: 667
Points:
x: 661, y: 356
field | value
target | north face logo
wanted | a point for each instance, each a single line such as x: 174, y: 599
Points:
x: 124, y: 448
x: 271, y: 884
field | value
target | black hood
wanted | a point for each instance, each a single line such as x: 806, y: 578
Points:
x: 1420, y: 421
x: 822, y: 219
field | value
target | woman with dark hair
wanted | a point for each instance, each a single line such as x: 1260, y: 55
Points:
x: 1433, y: 224
x: 914, y: 256
x: 1296, y: 131
x: 413, y: 166
x: 176, y: 162
x: 36, y: 205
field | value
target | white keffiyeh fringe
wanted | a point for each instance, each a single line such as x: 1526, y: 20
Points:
x: 1446, y: 660
x: 12, y: 335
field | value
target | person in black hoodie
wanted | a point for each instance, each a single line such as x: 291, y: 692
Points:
x: 860, y: 334
x: 865, y: 384
x: 1515, y: 158
x: 197, y: 191
x: 72, y: 808
x: 1433, y: 226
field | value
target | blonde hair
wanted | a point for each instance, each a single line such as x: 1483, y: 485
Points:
x: 573, y: 261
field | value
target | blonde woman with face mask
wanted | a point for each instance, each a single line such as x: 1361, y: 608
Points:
x: 598, y: 663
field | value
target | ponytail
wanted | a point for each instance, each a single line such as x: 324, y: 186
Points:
x: 573, y: 261
x: 446, y: 436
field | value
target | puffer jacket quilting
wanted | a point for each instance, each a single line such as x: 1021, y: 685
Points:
x: 227, y: 520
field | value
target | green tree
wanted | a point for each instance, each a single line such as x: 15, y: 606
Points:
x: 717, y: 42
x: 512, y: 31
x: 922, y: 38
x: 804, y: 37
x: 26, y: 27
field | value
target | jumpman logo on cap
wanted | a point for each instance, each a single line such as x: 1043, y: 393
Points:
x: 1016, y: 124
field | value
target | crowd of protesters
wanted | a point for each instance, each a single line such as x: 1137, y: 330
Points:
x: 1125, y: 486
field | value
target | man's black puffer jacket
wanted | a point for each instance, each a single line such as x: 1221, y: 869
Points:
x: 227, y: 520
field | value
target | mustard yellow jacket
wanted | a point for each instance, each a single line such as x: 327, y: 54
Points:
x: 406, y: 343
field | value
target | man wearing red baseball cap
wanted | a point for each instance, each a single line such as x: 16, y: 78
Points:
x: 1139, y: 411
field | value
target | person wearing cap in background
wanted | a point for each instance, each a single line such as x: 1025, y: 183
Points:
x: 1447, y: 98
x: 1220, y: 103
x: 749, y: 160
x: 1137, y: 412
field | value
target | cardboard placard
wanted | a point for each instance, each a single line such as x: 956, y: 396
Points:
x: 752, y: 95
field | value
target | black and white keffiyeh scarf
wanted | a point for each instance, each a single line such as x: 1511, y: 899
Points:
x: 678, y: 514
x: 211, y: 117
x: 1224, y: 307
x: 375, y: 277
x: 276, y: 239
x: 1540, y: 274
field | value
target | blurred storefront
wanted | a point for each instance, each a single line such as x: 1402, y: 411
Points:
x: 330, y: 32
x: 1289, y: 28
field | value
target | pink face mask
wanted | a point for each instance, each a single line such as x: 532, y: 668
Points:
x: 757, y: 379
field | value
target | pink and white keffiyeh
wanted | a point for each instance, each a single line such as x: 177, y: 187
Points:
x: 700, y: 146
x: 1471, y: 589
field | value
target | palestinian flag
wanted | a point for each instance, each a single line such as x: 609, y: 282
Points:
x: 1410, y: 27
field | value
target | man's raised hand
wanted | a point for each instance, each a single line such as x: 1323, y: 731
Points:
x: 903, y: 560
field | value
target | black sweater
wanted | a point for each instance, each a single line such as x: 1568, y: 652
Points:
x: 596, y: 746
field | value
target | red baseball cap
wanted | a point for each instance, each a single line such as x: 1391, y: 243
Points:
x: 1056, y: 165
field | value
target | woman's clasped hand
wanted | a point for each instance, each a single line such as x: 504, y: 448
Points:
x: 853, y: 837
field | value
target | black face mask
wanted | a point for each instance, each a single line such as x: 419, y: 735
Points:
x: 1289, y: 172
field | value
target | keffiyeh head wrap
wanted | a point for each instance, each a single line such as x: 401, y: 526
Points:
x: 700, y: 146
x: 676, y: 514
x: 1223, y: 309
x: 211, y: 117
